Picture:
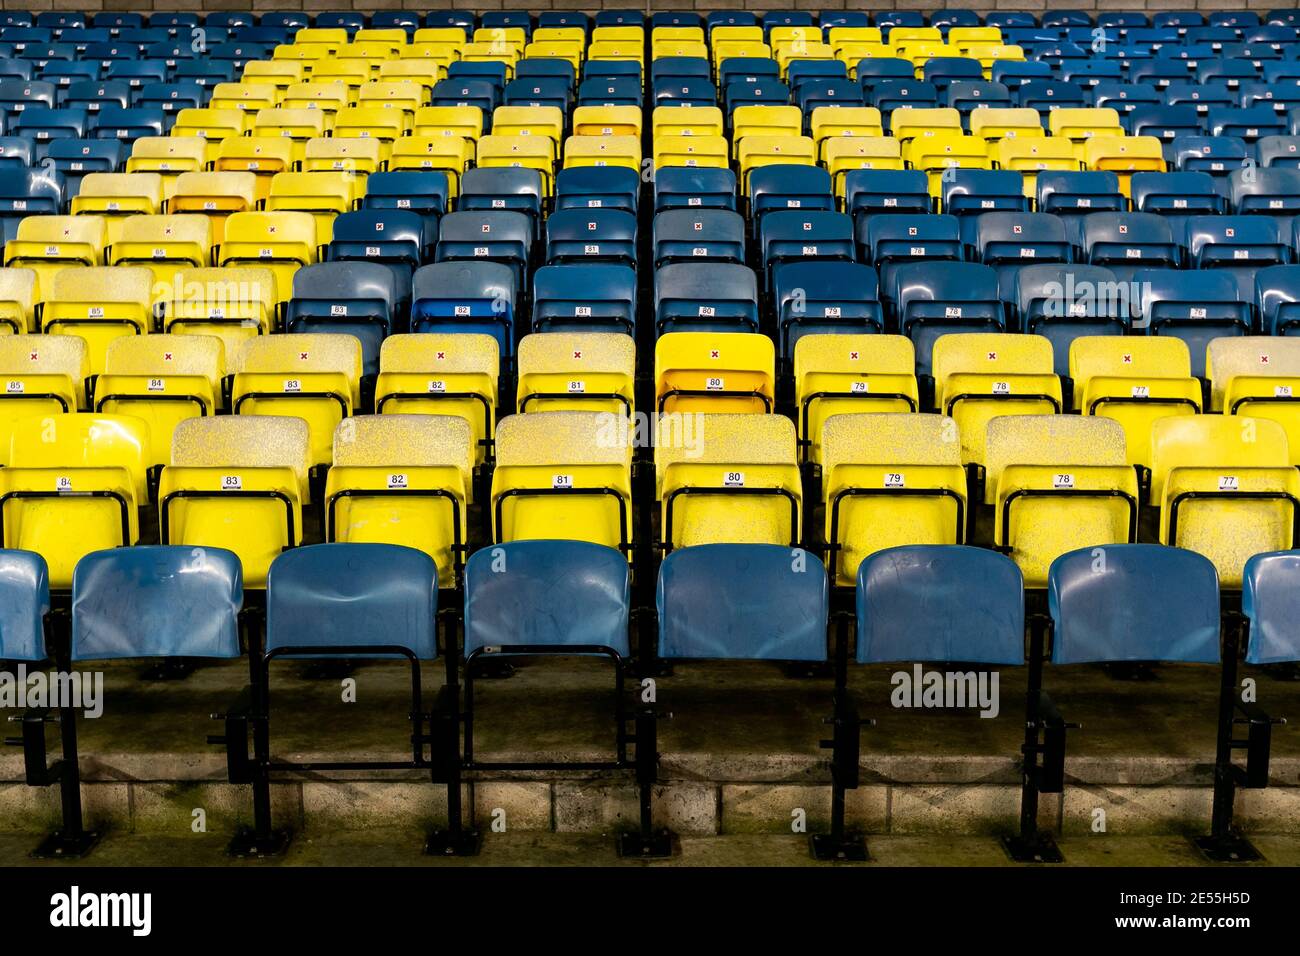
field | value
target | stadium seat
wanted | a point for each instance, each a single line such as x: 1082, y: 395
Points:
x: 98, y: 304
x: 936, y: 298
x: 43, y: 375
x: 1196, y: 307
x: 20, y: 301
x: 1225, y: 486
x: 1255, y: 376
x: 1277, y: 290
x: 349, y: 298
x: 1128, y: 242
x: 466, y: 296
x: 714, y: 372
x: 731, y: 479
x: 567, y: 371
x: 281, y: 241
x: 584, y: 298
x: 403, y: 480
x: 591, y: 235
x: 717, y: 295
x: 823, y: 296
x: 232, y: 303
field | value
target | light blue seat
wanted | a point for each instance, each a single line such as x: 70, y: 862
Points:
x: 1270, y: 601
x: 24, y: 602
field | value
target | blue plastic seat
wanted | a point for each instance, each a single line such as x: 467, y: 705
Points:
x: 868, y: 192
x: 698, y: 187
x: 28, y: 192
x: 553, y: 91
x: 823, y: 296
x: 1268, y: 601
x: 15, y: 152
x: 765, y: 91
x: 700, y: 235
x: 137, y: 73
x: 74, y: 158
x: 1013, y: 74
x: 1074, y: 195
x: 703, y: 296
x: 468, y: 91
x: 802, y: 72
x: 1277, y: 294
x: 814, y: 95
x: 591, y: 235
x: 24, y: 603
x: 1228, y: 242
x: 1176, y: 194
x: 875, y: 70
x: 1010, y: 240
x: 596, y: 297
x: 1046, y: 95
x: 128, y: 125
x: 611, y: 91
x: 1271, y: 191
x: 63, y: 73
x: 1125, y: 97
x: 1088, y: 73
x: 786, y: 186
x: 466, y: 297
x: 1163, y: 122
x: 787, y: 235
x: 966, y: 95
x: 1248, y: 124
x: 1282, y: 152
x: 348, y: 298
x: 680, y: 68
x: 1063, y: 301
x: 21, y: 95
x: 424, y: 193
x: 890, y: 94
x: 1216, y: 155
x: 1125, y: 242
x: 597, y: 187
x: 496, y: 235
x: 684, y: 92
x: 546, y: 68
x: 936, y: 298
x: 1196, y: 307
x: 512, y: 188
x: 172, y: 97
x: 888, y: 242
x: 976, y: 191
x: 747, y: 69
x: 942, y: 70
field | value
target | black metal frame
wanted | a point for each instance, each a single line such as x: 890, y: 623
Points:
x: 845, y: 748
x: 1263, y: 400
x: 1225, y: 843
x: 1044, y: 738
x: 164, y: 507
x: 35, y: 396
x: 458, y: 546
x: 713, y: 393
x: 71, y: 841
x: 123, y: 505
x: 624, y: 545
x: 123, y: 398
x: 268, y: 396
x: 1008, y: 397
x: 833, y: 545
x: 768, y: 491
x: 1004, y: 543
x: 253, y: 711
x: 805, y: 409
x: 577, y: 397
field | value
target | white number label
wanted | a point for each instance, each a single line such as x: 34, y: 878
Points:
x: 1065, y: 482
x: 293, y: 385
x: 733, y: 479
x: 231, y: 483
x: 713, y: 384
x: 1228, y: 483
x: 397, y: 481
x: 895, y: 479
x: 561, y: 481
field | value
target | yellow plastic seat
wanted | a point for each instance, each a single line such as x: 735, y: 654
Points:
x: 296, y: 126
x: 316, y: 377
x: 728, y: 32
x: 990, y: 53
x: 1030, y: 155
x: 960, y: 35
x: 635, y: 34
x: 1062, y: 482
x: 236, y: 482
x: 73, y: 484
x: 686, y: 121
x: 854, y: 35
x: 934, y: 154
x: 843, y: 154
x: 263, y: 156
x: 981, y: 375
x: 909, y: 122
x: 494, y: 51
x: 448, y: 154
x: 1124, y: 156
x: 278, y: 241
x: 20, y: 297
x: 430, y: 373
x: 918, y: 52
x: 218, y: 195
x: 889, y: 480
x: 328, y: 97
x: 306, y: 56
x: 1135, y: 381
x: 118, y: 195
x: 282, y: 74
x: 249, y: 97
x: 234, y: 304
x: 507, y: 41
x: 520, y: 152
x: 901, y: 35
x: 853, y: 52
x: 996, y: 123
x: 168, y: 156
x: 602, y: 151
x: 659, y: 49
x: 49, y: 244
x: 541, y: 121
x: 834, y: 121
x: 751, y: 48
x: 704, y: 151
x: 1258, y: 376
x: 329, y: 37
x: 691, y: 34
x: 360, y: 157
x: 756, y: 151
x: 563, y: 476
x: 571, y: 50
x: 210, y: 125
x: 1080, y: 123
x: 371, y: 122
x: 629, y: 50
x: 574, y: 371
x: 607, y: 121
x: 465, y: 122
x: 440, y: 45
x: 767, y: 121
x: 163, y: 244
x: 389, y: 38
x: 407, y: 95
x: 419, y: 71
x: 323, y: 194
x: 403, y: 479
x: 714, y: 372
x: 40, y: 375
x: 99, y: 304
x: 736, y: 481
x: 1226, y: 488
x: 162, y: 379
x: 850, y: 374
x: 785, y: 55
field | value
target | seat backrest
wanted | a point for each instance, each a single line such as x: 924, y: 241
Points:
x: 24, y: 602
x: 742, y: 601
x: 1270, y: 600
x: 940, y: 603
x: 156, y: 601
x: 359, y: 600
x: 1134, y: 602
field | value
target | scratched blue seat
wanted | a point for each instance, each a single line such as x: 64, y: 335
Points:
x: 24, y: 602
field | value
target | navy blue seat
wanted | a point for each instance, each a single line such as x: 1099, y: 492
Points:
x: 597, y: 187
x: 875, y: 70
x: 868, y: 192
x: 1013, y: 74
x: 15, y: 152
x: 1271, y: 191
x: 1236, y: 242
x: 976, y: 191
x: 702, y: 296
x: 591, y: 235
x: 1088, y: 73
x: 350, y: 298
x: 596, y: 297
x: 684, y: 92
x: 546, y: 68
x: 786, y: 235
x: 424, y: 193
x: 1166, y: 123
x: 137, y: 73
x: 468, y: 91
x: 28, y: 192
x: 497, y: 235
x: 1009, y: 240
x: 1216, y: 155
x: 680, y: 68
x: 75, y: 158
x: 1125, y: 242
x: 823, y: 296
x: 786, y: 186
x: 512, y: 188
x: 700, y: 235
x: 1278, y: 151
x: 21, y: 95
x: 803, y: 72
x: 747, y: 69
x: 890, y: 94
x: 1248, y: 124
x: 698, y: 187
x: 539, y: 91
x: 476, y: 296
x: 1277, y: 295
x: 815, y: 94
x: 935, y: 298
x: 1074, y: 195
x: 128, y: 125
x: 1064, y: 301
x: 966, y: 95
x: 1046, y: 95
x: 1126, y: 97
x: 1195, y: 306
x: 942, y: 70
x: 63, y: 73
x: 172, y: 97
x: 1176, y: 194
x: 888, y: 242
x: 44, y: 125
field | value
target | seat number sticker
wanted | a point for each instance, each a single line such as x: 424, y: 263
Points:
x: 156, y: 384
x: 562, y: 481
x: 895, y: 479
x: 1063, y: 482
x: 63, y: 483
x: 1228, y: 483
x: 1001, y: 388
x: 582, y: 311
x: 859, y: 388
x: 733, y: 479
x: 293, y: 385
x: 338, y: 310
x: 713, y: 384
x: 15, y: 387
x: 95, y: 312
x: 231, y: 483
x: 397, y: 481
x: 436, y: 385
x: 952, y: 312
x: 1141, y: 391
x: 461, y: 310
x: 1279, y: 391
x: 577, y: 387
x: 707, y: 311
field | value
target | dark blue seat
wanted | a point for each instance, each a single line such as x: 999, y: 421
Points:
x: 538, y: 91
x: 698, y: 296
x: 935, y: 298
x: 684, y: 92
x: 890, y: 94
x: 350, y: 298
x: 1125, y: 242
x: 1268, y: 190
x: 1064, y: 301
x: 15, y: 152
x: 20, y: 95
x: 1282, y: 152
x: 1270, y: 590
x: 977, y: 191
x: 742, y: 602
x: 1046, y: 95
x: 597, y: 187
x: 24, y: 603
x: 815, y: 94
x: 468, y: 91
x: 75, y: 158
x: 1277, y: 295
x: 966, y: 95
x: 137, y: 73
x: 698, y: 187
x: 680, y: 68
x: 785, y: 186
x: 1248, y: 124
x: 497, y: 235
x: 888, y: 242
x: 1235, y: 242
x: 1166, y: 123
x: 747, y: 69
x: 1074, y: 195
x: 700, y: 235
x: 1013, y: 74
x: 1216, y: 155
x: 513, y: 188
x: 466, y: 297
x: 424, y: 193
x: 596, y: 297
x: 1176, y: 194
x: 546, y: 68
x: 172, y: 97
x: 824, y: 297
x: 28, y: 192
x: 128, y: 125
x: 868, y: 192
x: 1126, y: 97
x: 591, y: 235
x: 1195, y: 306
x: 875, y: 70
x: 787, y: 235
x: 942, y: 70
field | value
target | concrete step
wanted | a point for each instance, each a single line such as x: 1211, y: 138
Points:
x: 739, y: 756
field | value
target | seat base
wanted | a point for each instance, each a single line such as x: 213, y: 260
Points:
x: 848, y: 849
x: 453, y: 843
x: 1040, y: 848
x: 63, y: 846
x: 636, y: 845
x: 245, y: 844
x: 1233, y: 848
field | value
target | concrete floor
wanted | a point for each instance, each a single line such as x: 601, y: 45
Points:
x: 399, y: 847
